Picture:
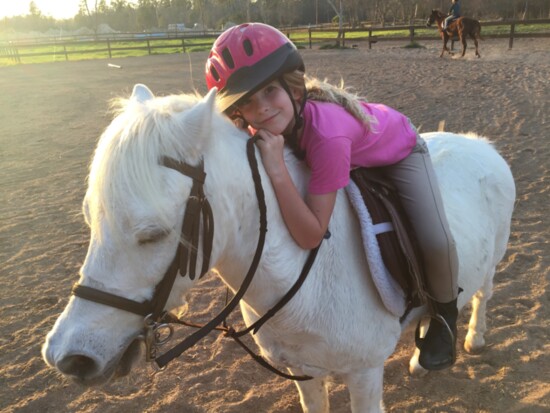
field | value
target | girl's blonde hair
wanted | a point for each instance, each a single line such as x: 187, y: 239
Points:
x: 322, y: 91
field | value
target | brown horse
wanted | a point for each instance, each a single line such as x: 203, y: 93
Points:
x: 461, y: 27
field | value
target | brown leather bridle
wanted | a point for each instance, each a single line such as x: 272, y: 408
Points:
x: 156, y: 320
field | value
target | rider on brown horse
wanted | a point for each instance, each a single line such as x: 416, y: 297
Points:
x: 461, y: 27
x: 454, y: 13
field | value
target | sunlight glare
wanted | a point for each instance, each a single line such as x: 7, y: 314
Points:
x: 58, y: 9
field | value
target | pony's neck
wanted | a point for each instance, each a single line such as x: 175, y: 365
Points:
x: 230, y: 189
x: 237, y: 223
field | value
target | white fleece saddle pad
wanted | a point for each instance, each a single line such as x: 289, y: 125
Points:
x: 390, y: 291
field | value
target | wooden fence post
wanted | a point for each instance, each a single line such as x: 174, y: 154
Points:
x: 183, y: 44
x: 11, y: 53
x: 512, y: 30
x: 411, y: 33
x: 65, y: 52
x: 109, y: 48
x: 309, y: 32
x: 8, y: 51
x: 148, y: 46
x: 370, y: 37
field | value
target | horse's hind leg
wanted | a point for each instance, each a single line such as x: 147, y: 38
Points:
x: 415, y: 369
x: 475, y: 339
x: 313, y: 394
x: 476, y: 43
x: 365, y: 389
x: 464, y: 45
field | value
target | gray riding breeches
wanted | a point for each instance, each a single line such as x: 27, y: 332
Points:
x: 417, y: 187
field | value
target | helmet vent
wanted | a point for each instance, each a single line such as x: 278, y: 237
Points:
x: 226, y: 54
x: 215, y: 74
x: 248, y: 47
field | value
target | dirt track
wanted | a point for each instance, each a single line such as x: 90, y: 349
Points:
x: 51, y: 116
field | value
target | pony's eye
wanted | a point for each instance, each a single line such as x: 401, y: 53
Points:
x: 152, y: 236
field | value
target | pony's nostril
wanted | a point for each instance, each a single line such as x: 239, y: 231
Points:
x: 78, y: 366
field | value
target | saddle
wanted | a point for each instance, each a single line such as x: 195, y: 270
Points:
x: 396, y: 238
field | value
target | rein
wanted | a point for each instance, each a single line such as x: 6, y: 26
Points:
x: 157, y: 322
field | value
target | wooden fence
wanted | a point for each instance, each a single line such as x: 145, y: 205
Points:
x: 111, y: 44
x: 371, y: 37
x: 16, y: 51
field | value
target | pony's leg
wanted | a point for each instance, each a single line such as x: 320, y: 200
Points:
x: 415, y: 369
x: 477, y: 327
x: 463, y: 41
x: 445, y: 40
x: 365, y: 389
x: 477, y: 46
x: 313, y: 393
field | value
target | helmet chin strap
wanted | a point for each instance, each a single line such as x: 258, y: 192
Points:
x: 292, y: 137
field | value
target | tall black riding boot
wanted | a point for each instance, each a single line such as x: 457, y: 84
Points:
x: 438, y: 347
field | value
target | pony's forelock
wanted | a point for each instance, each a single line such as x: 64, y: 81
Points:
x: 125, y: 166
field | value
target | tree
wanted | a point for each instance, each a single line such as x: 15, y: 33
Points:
x: 147, y: 16
x: 133, y: 15
x: 340, y: 15
x: 34, y: 10
x: 92, y: 16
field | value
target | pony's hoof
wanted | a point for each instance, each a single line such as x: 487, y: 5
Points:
x: 474, y: 344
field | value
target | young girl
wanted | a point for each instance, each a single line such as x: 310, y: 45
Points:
x: 259, y: 74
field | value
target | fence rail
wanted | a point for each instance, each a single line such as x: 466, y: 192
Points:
x: 112, y: 44
x: 371, y: 38
x: 108, y: 45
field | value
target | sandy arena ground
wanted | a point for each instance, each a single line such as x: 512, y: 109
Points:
x: 50, y: 118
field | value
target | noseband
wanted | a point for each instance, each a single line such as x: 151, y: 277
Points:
x: 157, y: 331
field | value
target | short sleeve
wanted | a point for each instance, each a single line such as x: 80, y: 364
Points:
x: 330, y: 163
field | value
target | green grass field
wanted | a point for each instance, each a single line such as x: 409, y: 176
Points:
x: 99, y: 50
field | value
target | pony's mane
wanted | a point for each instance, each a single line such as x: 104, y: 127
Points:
x: 125, y: 165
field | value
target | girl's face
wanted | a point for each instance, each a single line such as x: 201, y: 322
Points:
x: 270, y: 108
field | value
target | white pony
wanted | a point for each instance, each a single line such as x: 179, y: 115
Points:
x: 336, y: 325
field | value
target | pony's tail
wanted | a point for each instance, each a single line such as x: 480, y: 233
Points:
x: 478, y: 32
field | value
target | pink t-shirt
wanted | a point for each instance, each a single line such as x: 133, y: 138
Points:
x: 336, y: 142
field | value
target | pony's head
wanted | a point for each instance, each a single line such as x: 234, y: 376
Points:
x: 126, y: 164
x: 134, y: 206
x: 435, y: 16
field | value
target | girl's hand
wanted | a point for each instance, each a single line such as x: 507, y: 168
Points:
x: 271, y: 148
x: 307, y: 220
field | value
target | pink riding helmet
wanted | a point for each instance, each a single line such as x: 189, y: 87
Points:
x: 246, y: 57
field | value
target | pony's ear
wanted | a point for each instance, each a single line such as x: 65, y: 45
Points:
x: 199, y: 118
x: 210, y: 98
x: 141, y: 93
